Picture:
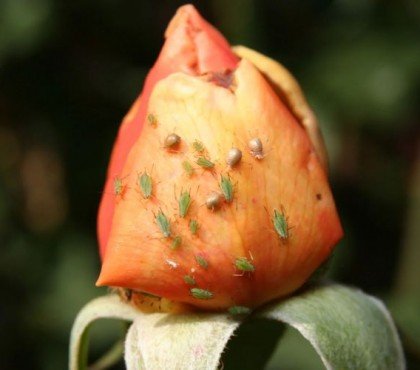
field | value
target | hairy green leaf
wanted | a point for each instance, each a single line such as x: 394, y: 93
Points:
x: 193, y: 341
x: 348, y: 328
x: 109, y: 306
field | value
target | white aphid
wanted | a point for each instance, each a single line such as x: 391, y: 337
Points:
x: 256, y: 148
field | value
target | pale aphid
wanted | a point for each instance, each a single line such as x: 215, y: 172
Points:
x: 172, y: 140
x: 184, y: 203
x: 204, y: 162
x: 198, y: 146
x: 189, y: 280
x: 188, y: 168
x: 233, y: 157
x: 227, y: 188
x: 118, y: 186
x: 164, y: 224
x: 280, y: 224
x: 214, y: 200
x: 146, y: 184
x: 176, y: 242
x: 172, y: 264
x: 201, y: 293
x: 239, y: 310
x: 202, y: 261
x: 151, y: 118
x: 194, y: 226
x: 256, y: 148
x: 243, y: 264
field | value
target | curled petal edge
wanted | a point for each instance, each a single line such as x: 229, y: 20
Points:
x: 290, y: 92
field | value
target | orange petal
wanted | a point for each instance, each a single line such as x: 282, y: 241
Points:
x: 192, y: 46
x: 288, y: 178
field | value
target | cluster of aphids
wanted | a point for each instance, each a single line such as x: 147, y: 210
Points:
x: 214, y: 200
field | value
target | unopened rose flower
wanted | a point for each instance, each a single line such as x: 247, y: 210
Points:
x: 217, y: 195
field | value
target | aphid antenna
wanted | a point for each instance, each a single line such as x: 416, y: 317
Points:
x: 269, y: 216
x: 256, y: 133
x: 121, y: 178
x: 160, y: 238
x: 247, y: 274
x: 211, y: 171
x: 146, y: 201
x: 243, y: 143
x: 283, y: 212
x: 240, y: 274
x: 236, y: 204
x: 196, y: 190
x: 175, y: 196
x: 145, y: 170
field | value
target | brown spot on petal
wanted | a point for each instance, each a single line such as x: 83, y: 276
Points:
x: 223, y: 79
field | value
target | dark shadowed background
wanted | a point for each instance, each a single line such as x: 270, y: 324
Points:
x: 69, y: 71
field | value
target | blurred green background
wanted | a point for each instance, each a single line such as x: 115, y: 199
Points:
x: 69, y: 71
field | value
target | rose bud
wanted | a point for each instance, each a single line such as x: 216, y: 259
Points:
x: 216, y: 197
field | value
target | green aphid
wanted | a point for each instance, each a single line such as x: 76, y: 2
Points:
x: 184, y: 203
x: 189, y: 280
x: 146, y: 184
x: 243, y: 264
x: 204, y: 162
x: 280, y: 225
x: 176, y: 242
x: 198, y: 146
x: 227, y: 188
x: 239, y: 310
x: 151, y: 118
x: 118, y: 186
x: 164, y: 224
x: 202, y: 262
x: 188, y: 168
x: 201, y: 293
x: 194, y: 226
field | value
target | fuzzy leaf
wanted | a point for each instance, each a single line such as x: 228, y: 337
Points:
x: 109, y: 306
x: 162, y: 341
x: 348, y: 328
